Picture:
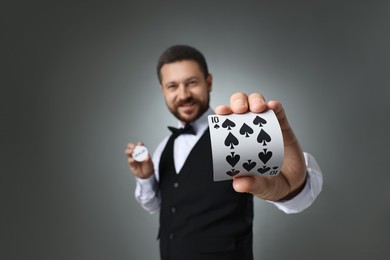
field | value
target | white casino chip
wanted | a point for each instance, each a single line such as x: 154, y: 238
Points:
x: 140, y: 153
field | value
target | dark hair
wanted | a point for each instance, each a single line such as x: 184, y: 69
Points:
x: 180, y: 53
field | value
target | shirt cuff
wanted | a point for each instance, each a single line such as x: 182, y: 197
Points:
x: 146, y: 195
x: 145, y: 186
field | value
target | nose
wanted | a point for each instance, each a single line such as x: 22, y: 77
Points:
x: 184, y: 92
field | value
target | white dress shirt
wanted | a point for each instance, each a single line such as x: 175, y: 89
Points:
x: 147, y: 193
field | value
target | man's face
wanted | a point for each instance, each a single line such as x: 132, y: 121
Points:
x: 186, y: 90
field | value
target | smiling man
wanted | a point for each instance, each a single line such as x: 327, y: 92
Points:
x: 186, y: 89
x: 200, y: 218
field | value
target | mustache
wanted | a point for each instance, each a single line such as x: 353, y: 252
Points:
x: 186, y: 101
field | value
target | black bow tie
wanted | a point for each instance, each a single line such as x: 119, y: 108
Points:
x: 188, y: 129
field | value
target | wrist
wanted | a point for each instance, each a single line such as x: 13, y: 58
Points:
x: 294, y: 192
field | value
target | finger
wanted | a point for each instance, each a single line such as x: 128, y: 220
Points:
x: 248, y: 184
x: 288, y: 134
x: 265, y: 187
x: 132, y: 161
x: 277, y: 107
x: 129, y: 149
x: 257, y: 103
x: 133, y: 166
x: 223, y: 110
x: 239, y: 103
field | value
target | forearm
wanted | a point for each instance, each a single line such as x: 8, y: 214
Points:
x: 308, y: 193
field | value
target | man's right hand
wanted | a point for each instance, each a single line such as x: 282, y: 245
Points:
x: 142, y: 170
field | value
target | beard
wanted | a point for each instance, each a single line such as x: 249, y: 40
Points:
x: 201, y: 108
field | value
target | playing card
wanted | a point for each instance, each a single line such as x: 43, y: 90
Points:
x: 246, y: 144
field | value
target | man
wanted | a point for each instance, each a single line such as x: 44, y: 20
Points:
x: 200, y: 218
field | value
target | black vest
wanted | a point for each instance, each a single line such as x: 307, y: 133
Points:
x: 200, y: 218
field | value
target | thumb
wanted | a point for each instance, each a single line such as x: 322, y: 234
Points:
x: 250, y: 184
x: 264, y: 187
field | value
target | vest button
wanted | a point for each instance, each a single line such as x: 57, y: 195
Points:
x: 173, y: 209
x: 175, y: 185
x: 171, y: 236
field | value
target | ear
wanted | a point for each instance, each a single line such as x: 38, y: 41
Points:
x: 209, y: 81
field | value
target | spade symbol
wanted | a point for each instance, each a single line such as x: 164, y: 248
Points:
x: 265, y: 156
x: 263, y: 137
x: 216, y: 126
x: 233, y: 159
x: 259, y: 121
x: 228, y: 124
x: 232, y: 173
x: 249, y: 165
x: 246, y: 130
x: 231, y: 140
x: 264, y: 169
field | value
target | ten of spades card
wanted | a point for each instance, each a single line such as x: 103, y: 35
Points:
x: 246, y: 144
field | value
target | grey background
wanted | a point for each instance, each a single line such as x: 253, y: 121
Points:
x: 78, y: 82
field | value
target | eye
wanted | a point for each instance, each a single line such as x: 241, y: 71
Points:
x: 193, y: 82
x: 171, y: 86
